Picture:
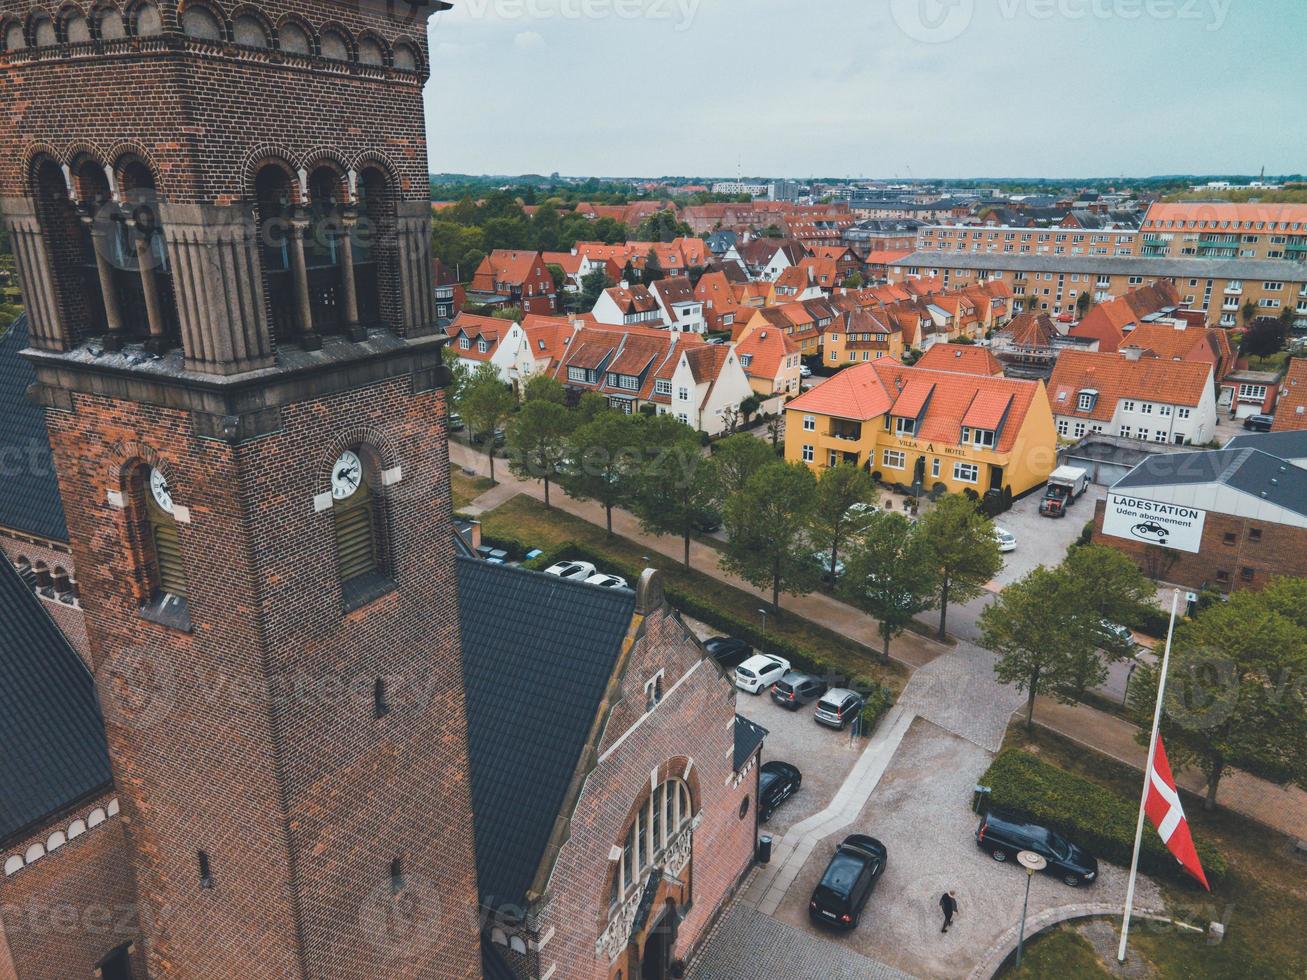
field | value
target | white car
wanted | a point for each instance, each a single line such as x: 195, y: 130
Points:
x: 760, y: 672
x: 573, y: 571
x: 1007, y: 541
x: 805, y: 371
x: 607, y: 581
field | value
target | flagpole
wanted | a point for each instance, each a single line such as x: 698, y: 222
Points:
x: 1148, y: 775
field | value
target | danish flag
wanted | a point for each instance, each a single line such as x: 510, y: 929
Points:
x: 1167, y: 815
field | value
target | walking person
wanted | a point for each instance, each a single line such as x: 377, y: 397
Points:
x: 948, y: 903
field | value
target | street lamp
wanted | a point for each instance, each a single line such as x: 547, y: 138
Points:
x: 763, y: 610
x: 1032, y: 862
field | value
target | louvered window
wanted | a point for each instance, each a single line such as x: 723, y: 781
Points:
x: 356, y: 537
x: 170, y: 577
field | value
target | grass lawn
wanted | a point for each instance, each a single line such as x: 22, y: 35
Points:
x: 527, y: 519
x: 1262, y: 900
x: 466, y: 488
x: 1062, y: 953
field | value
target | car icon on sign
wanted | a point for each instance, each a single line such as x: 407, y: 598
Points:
x: 1150, y: 531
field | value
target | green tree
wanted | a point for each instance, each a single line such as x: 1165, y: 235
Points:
x: 888, y: 575
x: 603, y: 455
x: 590, y: 406
x: 750, y: 406
x: 738, y: 457
x: 459, y: 376
x: 844, y: 495
x: 1236, y: 693
x: 653, y: 269
x: 767, y: 523
x: 676, y: 488
x: 962, y: 549
x: 543, y: 388
x: 1083, y: 302
x: 537, y: 438
x: 487, y: 404
x: 558, y: 274
x: 1041, y: 642
x: 661, y: 226
x: 854, y: 280
x: 592, y: 286
x: 547, y: 228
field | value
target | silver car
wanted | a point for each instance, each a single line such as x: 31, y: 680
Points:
x: 838, y: 707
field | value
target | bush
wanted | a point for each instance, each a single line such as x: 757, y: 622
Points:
x: 879, y: 700
x: 1092, y: 816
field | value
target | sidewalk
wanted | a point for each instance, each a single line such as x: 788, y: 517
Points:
x: 1284, y: 810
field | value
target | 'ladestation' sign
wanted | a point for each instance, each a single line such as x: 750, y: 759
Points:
x: 1153, y: 522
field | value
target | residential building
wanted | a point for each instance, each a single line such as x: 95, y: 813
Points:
x: 1228, y: 519
x: 681, y: 309
x: 772, y: 363
x: 1291, y: 411
x: 864, y: 335
x: 450, y: 293
x: 1222, y: 230
x: 1133, y: 396
x: 963, y: 358
x: 1006, y: 239
x: 503, y: 344
x: 1109, y: 323
x: 628, y: 305
x: 547, y: 339
x: 1219, y: 289
x: 928, y: 429
x: 1243, y: 393
x: 705, y: 388
x: 720, y: 307
x: 511, y: 277
x: 878, y: 236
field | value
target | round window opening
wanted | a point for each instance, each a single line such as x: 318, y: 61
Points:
x: 744, y: 808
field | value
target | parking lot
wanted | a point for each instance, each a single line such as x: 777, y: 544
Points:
x: 1043, y: 540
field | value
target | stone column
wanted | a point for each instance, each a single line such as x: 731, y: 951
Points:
x: 418, y: 300
x: 353, y: 329
x: 157, y: 342
x: 113, y: 338
x: 45, y: 317
x: 299, y: 226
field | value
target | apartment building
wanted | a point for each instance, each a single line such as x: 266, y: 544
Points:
x: 1220, y: 230
x: 1219, y: 289
x: 930, y: 429
x: 1008, y: 240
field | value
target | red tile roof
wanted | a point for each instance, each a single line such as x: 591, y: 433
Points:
x: 987, y: 410
x: 960, y: 357
x: 1114, y: 377
x: 1108, y: 323
x: 913, y: 398
x: 766, y: 350
x: 1291, y: 412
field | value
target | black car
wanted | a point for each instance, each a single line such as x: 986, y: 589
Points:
x: 456, y: 423
x: 838, y: 899
x: 1005, y: 837
x: 708, y: 522
x: 728, y: 651
x: 1259, y: 423
x: 794, y: 690
x: 777, y: 782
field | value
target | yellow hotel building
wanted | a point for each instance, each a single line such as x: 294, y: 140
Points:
x: 916, y: 426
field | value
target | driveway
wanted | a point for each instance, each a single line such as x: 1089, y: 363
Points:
x: 825, y: 757
x: 920, y: 811
x: 1043, y: 540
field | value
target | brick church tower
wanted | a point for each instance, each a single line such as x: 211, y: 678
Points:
x: 220, y: 217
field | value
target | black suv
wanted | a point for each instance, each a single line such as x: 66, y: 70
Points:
x: 777, y: 782
x: 794, y: 690
x: 728, y: 651
x: 1005, y: 837
x: 838, y: 899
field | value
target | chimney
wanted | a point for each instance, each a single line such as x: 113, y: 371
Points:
x: 624, y: 284
x: 1132, y: 353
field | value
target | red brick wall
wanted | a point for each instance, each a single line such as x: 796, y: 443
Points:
x: 66, y: 911
x: 694, y: 724
x: 69, y: 618
x: 251, y: 737
x: 1227, y: 546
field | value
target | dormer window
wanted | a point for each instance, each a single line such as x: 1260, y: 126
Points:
x: 905, y: 427
x: 1087, y: 400
x: 483, y: 346
x: 464, y: 342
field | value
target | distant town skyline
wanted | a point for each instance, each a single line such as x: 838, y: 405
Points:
x: 926, y: 89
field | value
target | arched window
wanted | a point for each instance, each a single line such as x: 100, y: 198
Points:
x: 148, y: 304
x: 146, y: 20
x: 405, y: 58
x: 376, y: 272
x: 163, y: 572
x: 76, y: 28
x: 333, y: 45
x: 109, y: 24
x: 43, y: 32
x: 371, y: 52
x: 322, y: 251
x: 656, y: 824
x: 249, y: 32
x: 14, y: 37
x: 202, y: 23
x: 273, y: 205
x: 360, y: 522
x: 294, y: 39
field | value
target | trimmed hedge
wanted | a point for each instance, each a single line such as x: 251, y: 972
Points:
x: 1094, y: 817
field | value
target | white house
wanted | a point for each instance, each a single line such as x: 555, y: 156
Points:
x: 477, y: 340
x: 1133, y: 396
x: 629, y: 306
x: 706, y: 387
x: 680, y: 309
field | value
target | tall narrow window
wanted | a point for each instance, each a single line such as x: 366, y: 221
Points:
x: 380, y: 706
x: 356, y: 519
x: 206, y: 873
x: 170, y: 576
x: 396, y: 876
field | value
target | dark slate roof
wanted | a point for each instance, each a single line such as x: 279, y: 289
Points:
x: 29, y: 499
x: 1249, y: 471
x: 538, y: 654
x: 52, y: 743
x: 1286, y: 445
x: 748, y: 736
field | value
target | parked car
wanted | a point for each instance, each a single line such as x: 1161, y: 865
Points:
x: 728, y: 651
x: 794, y: 690
x: 1007, y: 541
x: 573, y: 571
x: 828, y: 572
x: 1259, y: 423
x: 1005, y: 837
x: 501, y: 437
x: 805, y: 371
x: 1116, y: 635
x: 838, y: 707
x: 456, y: 423
x: 607, y: 581
x: 777, y: 782
x: 847, y: 883
x: 1066, y: 485
x: 760, y: 671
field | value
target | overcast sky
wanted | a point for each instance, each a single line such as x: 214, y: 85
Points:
x: 884, y: 88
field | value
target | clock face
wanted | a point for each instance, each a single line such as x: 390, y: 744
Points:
x: 160, y: 491
x: 346, y: 476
